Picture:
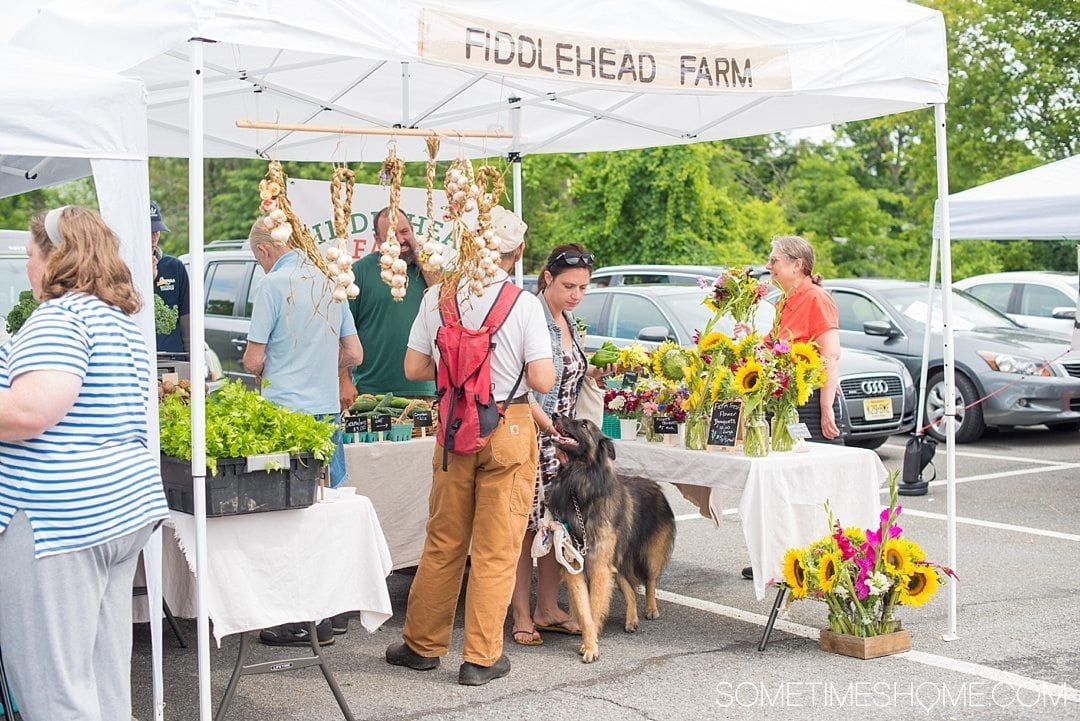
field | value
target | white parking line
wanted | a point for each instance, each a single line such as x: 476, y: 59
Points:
x: 988, y: 456
x: 1050, y: 690
x: 993, y: 524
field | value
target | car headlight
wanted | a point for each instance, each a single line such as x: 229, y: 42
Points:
x: 1007, y: 363
x: 908, y: 380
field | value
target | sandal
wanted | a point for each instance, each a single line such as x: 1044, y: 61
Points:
x: 560, y: 627
x: 534, y: 637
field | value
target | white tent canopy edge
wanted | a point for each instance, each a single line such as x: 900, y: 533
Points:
x: 268, y: 59
x: 59, y: 122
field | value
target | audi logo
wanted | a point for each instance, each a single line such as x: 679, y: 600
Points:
x: 875, y: 388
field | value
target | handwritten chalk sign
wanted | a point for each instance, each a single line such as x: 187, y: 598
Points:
x: 665, y: 425
x: 629, y: 379
x: 798, y: 430
x: 422, y: 419
x: 724, y: 424
x: 380, y: 422
x: 356, y: 424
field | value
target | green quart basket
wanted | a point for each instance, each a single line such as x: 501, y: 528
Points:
x: 611, y: 426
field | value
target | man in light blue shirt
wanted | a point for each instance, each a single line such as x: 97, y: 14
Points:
x: 299, y: 336
x: 298, y: 339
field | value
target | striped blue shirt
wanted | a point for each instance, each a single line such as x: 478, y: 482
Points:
x: 90, y: 478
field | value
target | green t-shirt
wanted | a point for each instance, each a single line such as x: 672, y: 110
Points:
x: 383, y: 326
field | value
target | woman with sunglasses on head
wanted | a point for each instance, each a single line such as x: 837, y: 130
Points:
x: 80, y: 492
x: 561, y: 285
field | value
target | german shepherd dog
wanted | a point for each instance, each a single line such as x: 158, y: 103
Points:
x: 629, y: 529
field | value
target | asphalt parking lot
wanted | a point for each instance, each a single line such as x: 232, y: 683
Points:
x: 1017, y: 654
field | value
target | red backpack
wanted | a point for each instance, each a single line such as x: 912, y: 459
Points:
x: 468, y: 414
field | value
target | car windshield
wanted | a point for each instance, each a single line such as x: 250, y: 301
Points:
x: 968, y: 313
x: 693, y: 314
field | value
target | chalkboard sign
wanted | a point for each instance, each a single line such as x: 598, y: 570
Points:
x: 629, y: 379
x: 665, y: 425
x: 356, y: 424
x: 380, y: 422
x: 724, y: 424
x: 422, y: 419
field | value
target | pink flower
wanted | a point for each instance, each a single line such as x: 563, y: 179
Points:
x: 847, y: 549
x: 781, y: 346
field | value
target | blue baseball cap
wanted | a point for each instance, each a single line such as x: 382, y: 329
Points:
x: 156, y: 223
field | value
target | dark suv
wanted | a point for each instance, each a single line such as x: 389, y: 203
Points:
x: 230, y: 279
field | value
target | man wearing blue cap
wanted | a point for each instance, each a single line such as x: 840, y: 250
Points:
x: 171, y: 284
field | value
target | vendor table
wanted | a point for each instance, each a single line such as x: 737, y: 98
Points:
x: 396, y: 476
x: 781, y: 496
x: 267, y: 569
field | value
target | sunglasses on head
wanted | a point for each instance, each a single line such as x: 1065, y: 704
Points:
x: 573, y: 258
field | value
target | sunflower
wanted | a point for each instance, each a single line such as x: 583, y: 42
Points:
x: 745, y: 347
x: 749, y: 377
x: 914, y: 551
x: 897, y: 559
x: 804, y: 352
x: 669, y: 360
x: 722, y: 385
x: 856, y: 535
x: 828, y: 571
x: 803, y: 387
x: 921, y: 585
x: 795, y: 573
x: 712, y: 342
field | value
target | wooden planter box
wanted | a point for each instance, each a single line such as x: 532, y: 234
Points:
x: 864, y: 648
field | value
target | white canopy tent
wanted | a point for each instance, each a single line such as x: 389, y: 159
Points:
x: 1038, y: 204
x: 561, y: 76
x: 60, y: 122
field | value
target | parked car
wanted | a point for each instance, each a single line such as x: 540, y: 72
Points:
x: 615, y: 275
x: 997, y: 361
x: 1036, y: 299
x: 13, y: 278
x: 652, y: 314
x: 230, y: 278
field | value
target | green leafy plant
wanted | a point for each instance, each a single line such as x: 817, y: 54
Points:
x: 165, y: 316
x: 22, y: 310
x: 240, y: 423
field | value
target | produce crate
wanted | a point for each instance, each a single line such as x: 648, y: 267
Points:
x: 234, y: 490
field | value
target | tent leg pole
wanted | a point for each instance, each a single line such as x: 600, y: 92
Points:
x: 950, y: 367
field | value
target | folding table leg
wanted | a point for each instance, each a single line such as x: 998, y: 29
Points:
x: 772, y: 617
x: 287, y: 664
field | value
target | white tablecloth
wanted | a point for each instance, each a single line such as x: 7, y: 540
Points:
x: 782, y: 496
x: 267, y: 569
x: 396, y: 476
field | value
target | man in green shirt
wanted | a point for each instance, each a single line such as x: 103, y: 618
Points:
x: 382, y: 323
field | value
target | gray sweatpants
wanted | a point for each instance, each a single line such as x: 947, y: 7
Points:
x: 65, y: 626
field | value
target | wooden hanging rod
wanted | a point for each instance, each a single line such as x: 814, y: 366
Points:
x: 342, y: 130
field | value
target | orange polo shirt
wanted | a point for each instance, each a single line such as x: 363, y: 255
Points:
x: 807, y: 313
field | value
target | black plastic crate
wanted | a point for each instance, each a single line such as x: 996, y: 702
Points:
x: 233, y: 490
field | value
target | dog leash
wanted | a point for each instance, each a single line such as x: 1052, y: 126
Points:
x: 583, y: 547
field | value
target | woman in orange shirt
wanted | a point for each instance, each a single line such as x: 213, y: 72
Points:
x: 808, y: 313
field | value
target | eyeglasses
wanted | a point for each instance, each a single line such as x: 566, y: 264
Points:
x: 573, y: 258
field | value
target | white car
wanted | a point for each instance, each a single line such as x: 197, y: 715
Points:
x: 1036, y: 299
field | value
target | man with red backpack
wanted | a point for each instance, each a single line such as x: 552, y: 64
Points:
x: 487, y: 352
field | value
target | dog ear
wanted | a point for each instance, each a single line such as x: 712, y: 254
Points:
x: 607, y: 447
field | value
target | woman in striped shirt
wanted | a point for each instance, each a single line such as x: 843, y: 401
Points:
x: 80, y: 492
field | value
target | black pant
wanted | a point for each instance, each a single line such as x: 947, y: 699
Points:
x: 810, y: 414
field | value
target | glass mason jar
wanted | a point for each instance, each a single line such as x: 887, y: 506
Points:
x: 781, y: 440
x: 649, y: 423
x: 697, y: 430
x: 756, y: 434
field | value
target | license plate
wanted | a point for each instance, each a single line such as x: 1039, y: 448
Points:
x: 877, y: 409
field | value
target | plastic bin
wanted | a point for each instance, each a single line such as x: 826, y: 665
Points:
x: 234, y: 490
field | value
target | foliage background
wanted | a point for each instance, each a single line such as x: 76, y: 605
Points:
x: 864, y: 197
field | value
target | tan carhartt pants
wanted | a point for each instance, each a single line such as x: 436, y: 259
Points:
x: 483, y: 498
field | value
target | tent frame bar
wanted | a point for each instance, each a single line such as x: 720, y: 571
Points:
x: 345, y: 130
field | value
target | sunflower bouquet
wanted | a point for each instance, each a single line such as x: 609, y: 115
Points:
x: 796, y: 372
x: 734, y: 293
x: 863, y: 575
